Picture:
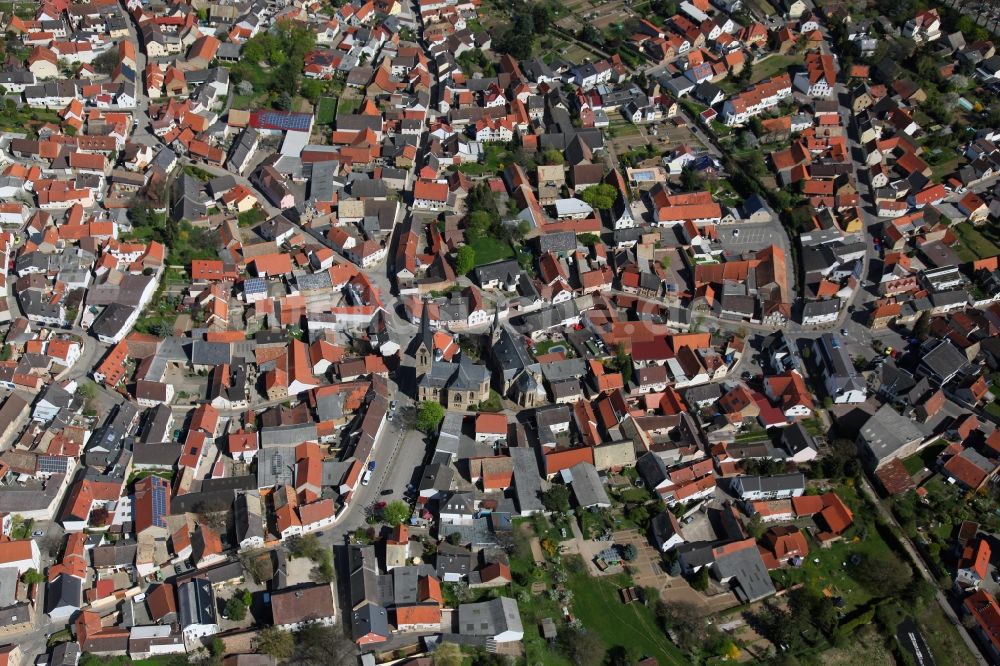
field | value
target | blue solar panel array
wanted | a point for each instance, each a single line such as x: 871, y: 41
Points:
x: 52, y: 464
x: 290, y: 121
x: 255, y: 286
x: 159, y: 503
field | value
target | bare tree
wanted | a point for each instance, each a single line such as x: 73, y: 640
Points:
x: 319, y: 645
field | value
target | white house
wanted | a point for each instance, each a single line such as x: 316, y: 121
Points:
x: 21, y: 555
x: 779, y: 486
x: 197, y: 610
x: 497, y: 619
x: 428, y: 195
x: 294, y: 608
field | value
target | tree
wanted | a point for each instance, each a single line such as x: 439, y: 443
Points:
x: 556, y: 498
x: 276, y: 643
x: 591, y: 35
x: 465, y: 259
x: 217, y: 648
x: 756, y: 526
x: 311, y: 89
x: 323, y: 572
x: 235, y: 609
x: 478, y: 224
x: 516, y: 44
x: 447, y: 654
x: 320, y: 645
x: 306, y: 545
x: 584, y: 648
x: 87, y: 389
x: 700, y: 580
x: 32, y: 577
x: 884, y: 574
x: 601, y: 196
x: 255, y: 565
x: 629, y: 552
x: 106, y: 62
x: 684, y: 621
x: 553, y: 156
x: 396, y: 512
x: 429, y: 417
x: 692, y: 180
x: 623, y: 361
x: 923, y: 326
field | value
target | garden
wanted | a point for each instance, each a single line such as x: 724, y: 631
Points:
x: 562, y: 590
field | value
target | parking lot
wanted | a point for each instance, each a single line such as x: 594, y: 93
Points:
x: 750, y: 237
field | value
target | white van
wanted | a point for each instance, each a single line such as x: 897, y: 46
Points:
x: 366, y: 477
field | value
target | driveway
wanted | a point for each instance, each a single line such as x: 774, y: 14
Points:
x: 648, y: 566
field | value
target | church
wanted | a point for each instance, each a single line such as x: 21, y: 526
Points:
x: 456, y: 384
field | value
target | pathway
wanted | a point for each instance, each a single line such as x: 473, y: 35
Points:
x: 924, y: 571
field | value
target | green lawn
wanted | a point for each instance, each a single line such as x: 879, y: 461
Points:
x: 326, y: 111
x: 946, y: 168
x: 623, y: 128
x: 139, y: 476
x: 775, y: 64
x: 918, y: 461
x: 347, y: 105
x: 493, y: 161
x: 544, y: 346
x: 833, y: 571
x: 26, y: 120
x: 977, y: 245
x: 243, y: 102
x: 489, y: 250
x: 598, y: 606
x: 595, y: 603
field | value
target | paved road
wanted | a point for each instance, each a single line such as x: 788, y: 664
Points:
x: 924, y: 571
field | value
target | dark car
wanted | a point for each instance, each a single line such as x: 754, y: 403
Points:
x: 387, y: 491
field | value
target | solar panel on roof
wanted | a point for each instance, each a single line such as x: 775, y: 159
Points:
x: 52, y: 464
x: 286, y: 120
x: 159, y: 504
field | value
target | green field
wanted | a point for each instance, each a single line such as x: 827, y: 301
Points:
x: 243, y: 102
x: 918, y: 461
x: 775, y: 64
x: 946, y: 168
x: 974, y: 245
x: 347, y: 105
x: 597, y: 604
x: 326, y: 111
x: 489, y: 250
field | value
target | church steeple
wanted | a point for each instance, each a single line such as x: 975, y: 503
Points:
x: 495, y: 328
x: 423, y: 353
